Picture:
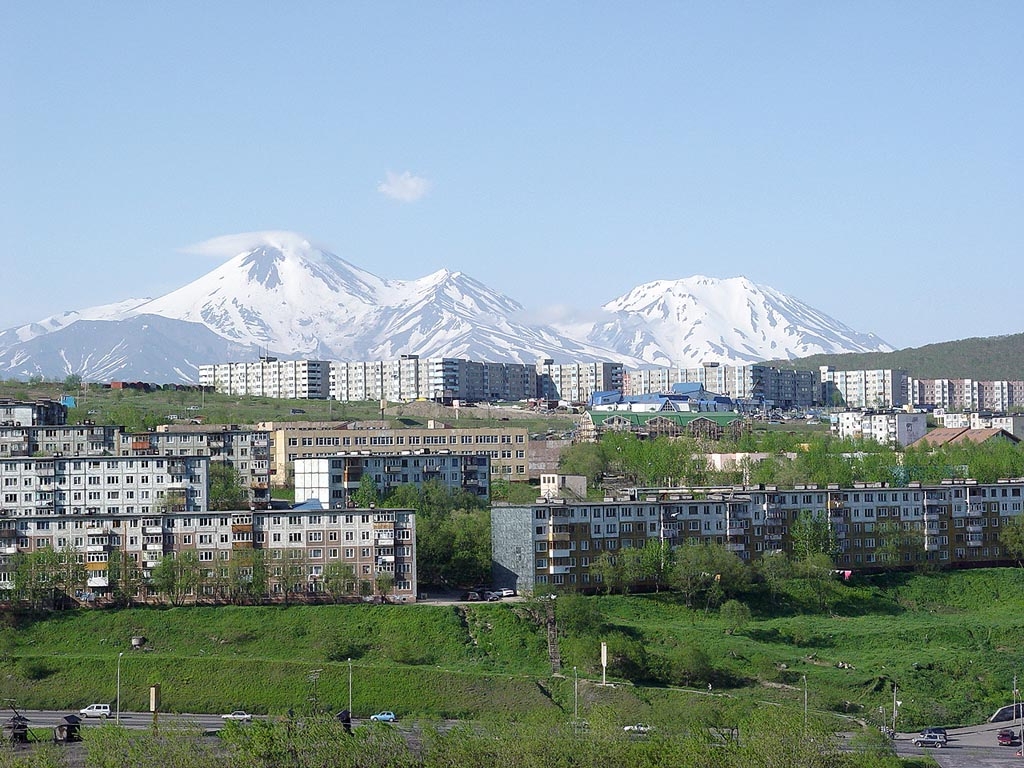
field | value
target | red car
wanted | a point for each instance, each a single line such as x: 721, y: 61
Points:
x: 1006, y: 737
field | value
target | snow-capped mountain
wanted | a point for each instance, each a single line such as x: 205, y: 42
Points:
x: 687, y: 322
x: 281, y: 295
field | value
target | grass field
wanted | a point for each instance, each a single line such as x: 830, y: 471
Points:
x: 950, y: 642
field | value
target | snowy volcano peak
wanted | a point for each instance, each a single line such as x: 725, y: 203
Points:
x: 279, y: 293
x: 734, y: 320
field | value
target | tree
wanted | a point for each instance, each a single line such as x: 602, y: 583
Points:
x: 810, y: 535
x: 176, y: 577
x: 226, y: 489
x: 606, y: 570
x: 735, y: 615
x: 384, y: 581
x: 366, y: 494
x: 339, y: 580
x: 1011, y: 537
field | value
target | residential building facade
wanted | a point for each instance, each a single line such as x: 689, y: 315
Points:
x: 506, y: 447
x: 880, y: 388
x: 296, y: 546
x: 894, y: 428
x: 761, y: 384
x: 269, y: 377
x: 554, y: 542
x: 333, y: 480
x: 966, y: 394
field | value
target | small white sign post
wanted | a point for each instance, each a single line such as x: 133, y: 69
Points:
x: 604, y: 663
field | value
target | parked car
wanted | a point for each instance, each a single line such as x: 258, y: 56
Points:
x: 637, y: 728
x: 239, y: 715
x: 940, y: 732
x: 930, y: 740
x: 507, y: 592
x: 492, y: 596
x: 95, y: 710
x: 1006, y: 737
x: 384, y: 717
x: 470, y: 596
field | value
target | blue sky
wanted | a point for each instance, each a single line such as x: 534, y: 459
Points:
x: 862, y: 157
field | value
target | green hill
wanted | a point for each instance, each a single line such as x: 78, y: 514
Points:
x: 949, y: 641
x: 995, y: 358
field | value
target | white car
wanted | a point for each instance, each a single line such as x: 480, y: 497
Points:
x: 238, y: 715
x: 506, y: 592
x: 95, y: 710
x: 637, y: 728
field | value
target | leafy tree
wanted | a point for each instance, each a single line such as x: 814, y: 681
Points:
x: 177, y: 576
x: 606, y: 570
x: 1011, y: 537
x: 366, y: 494
x: 226, y: 489
x: 707, y: 572
x: 775, y: 568
x: 810, y: 535
x: 384, y: 581
x: 339, y: 579
x: 735, y: 614
x: 585, y: 459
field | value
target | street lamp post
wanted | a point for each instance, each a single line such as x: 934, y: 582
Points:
x: 117, y: 717
x: 575, y: 698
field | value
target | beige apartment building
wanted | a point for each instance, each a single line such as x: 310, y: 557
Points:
x: 506, y: 447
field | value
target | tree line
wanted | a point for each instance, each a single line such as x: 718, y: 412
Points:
x: 792, y: 459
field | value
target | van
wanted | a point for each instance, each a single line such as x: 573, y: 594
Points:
x: 95, y: 710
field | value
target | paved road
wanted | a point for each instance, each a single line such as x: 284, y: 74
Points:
x: 972, y: 747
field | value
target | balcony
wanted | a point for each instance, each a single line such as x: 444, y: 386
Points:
x: 735, y: 531
x: 974, y: 541
x: 153, y: 547
x: 97, y: 581
x: 8, y: 550
x: 388, y: 541
x: 734, y: 547
x: 96, y: 547
x: 974, y: 529
x: 773, y: 537
x: 559, y: 570
x: 931, y: 546
x: 559, y: 536
x: 931, y: 516
x: 553, y: 553
x: 152, y: 530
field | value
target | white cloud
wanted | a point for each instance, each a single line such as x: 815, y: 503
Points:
x: 227, y: 246
x: 404, y: 186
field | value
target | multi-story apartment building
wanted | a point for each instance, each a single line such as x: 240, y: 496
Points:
x: 880, y: 388
x: 303, y: 542
x: 506, y: 447
x: 894, y: 428
x: 14, y: 413
x: 441, y: 379
x: 966, y: 394
x: 246, y: 451
x: 333, y: 480
x: 269, y: 377
x: 69, y: 439
x: 576, y: 382
x: 873, y: 525
x: 762, y: 384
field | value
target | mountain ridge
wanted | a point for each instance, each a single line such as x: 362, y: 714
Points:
x: 279, y: 294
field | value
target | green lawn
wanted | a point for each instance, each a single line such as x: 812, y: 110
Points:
x: 950, y: 642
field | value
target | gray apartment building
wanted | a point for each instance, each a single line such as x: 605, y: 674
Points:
x: 953, y: 524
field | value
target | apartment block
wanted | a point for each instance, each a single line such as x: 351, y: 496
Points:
x: 775, y: 387
x: 554, y: 542
x: 506, y: 448
x: 966, y: 394
x: 269, y: 377
x: 246, y: 451
x: 332, y: 481
x: 296, y: 545
x: 69, y: 439
x: 865, y: 389
x: 892, y: 428
x: 577, y: 382
x: 45, y: 412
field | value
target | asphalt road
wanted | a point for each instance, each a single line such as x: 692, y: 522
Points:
x: 972, y: 747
